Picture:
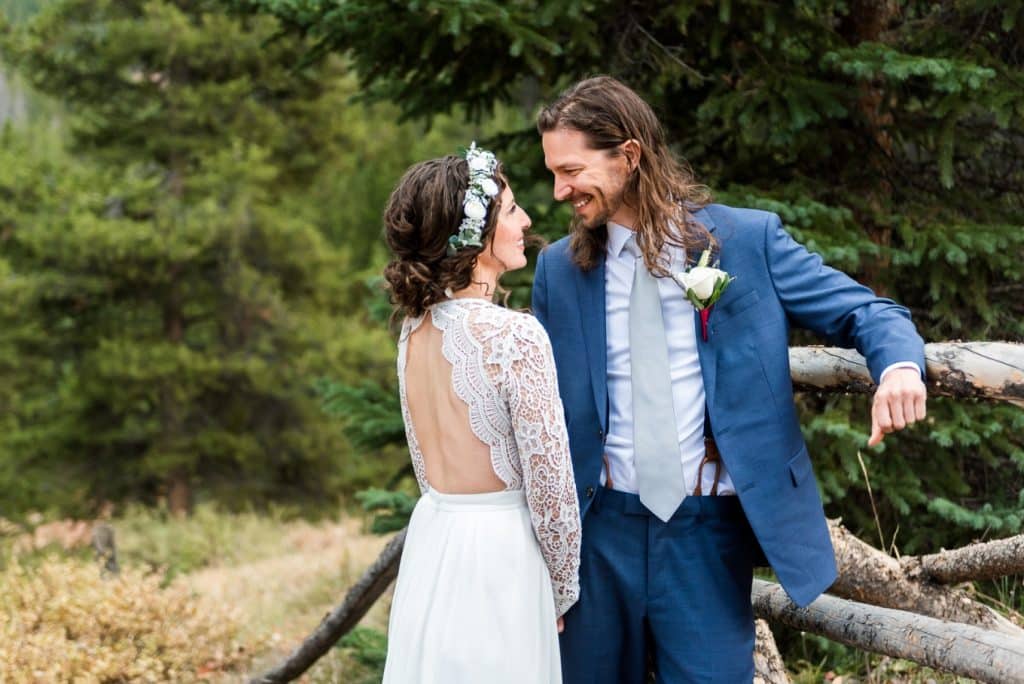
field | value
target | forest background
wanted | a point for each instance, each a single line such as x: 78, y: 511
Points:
x: 190, y: 237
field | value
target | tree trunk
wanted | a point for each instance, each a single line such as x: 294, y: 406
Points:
x: 179, y: 495
x: 870, y: 576
x: 983, y: 370
x: 963, y: 650
x: 988, y: 560
x: 867, y: 22
x: 359, y: 599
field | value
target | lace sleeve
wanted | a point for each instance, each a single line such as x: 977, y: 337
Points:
x: 538, y: 422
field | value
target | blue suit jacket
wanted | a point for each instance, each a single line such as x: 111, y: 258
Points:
x: 745, y: 367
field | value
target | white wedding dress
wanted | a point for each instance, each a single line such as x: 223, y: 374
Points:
x: 483, y: 576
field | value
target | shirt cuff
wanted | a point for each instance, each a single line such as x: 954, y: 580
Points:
x: 898, y: 364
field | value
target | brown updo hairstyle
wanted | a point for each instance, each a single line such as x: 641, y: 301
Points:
x: 424, y: 210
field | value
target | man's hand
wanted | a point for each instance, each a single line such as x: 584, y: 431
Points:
x: 899, y: 401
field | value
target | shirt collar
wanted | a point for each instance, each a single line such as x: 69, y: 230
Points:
x: 618, y: 235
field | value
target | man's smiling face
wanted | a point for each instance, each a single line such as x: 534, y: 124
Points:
x: 592, y: 180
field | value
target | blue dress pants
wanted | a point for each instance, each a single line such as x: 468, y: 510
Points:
x: 673, y: 597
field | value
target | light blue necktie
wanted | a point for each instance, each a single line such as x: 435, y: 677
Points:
x: 659, y: 469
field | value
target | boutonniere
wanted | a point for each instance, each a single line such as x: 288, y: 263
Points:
x: 703, y: 285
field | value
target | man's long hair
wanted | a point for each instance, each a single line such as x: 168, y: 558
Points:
x: 661, y: 190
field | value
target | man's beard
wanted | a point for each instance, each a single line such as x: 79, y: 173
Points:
x: 611, y: 203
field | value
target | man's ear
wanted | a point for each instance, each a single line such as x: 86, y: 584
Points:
x: 631, y: 150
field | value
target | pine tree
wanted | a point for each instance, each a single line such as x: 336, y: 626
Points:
x: 175, y: 302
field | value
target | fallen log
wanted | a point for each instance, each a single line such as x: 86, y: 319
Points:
x: 769, y: 667
x: 768, y: 663
x: 963, y: 650
x: 871, y: 576
x: 982, y: 561
x: 983, y: 370
x: 359, y: 599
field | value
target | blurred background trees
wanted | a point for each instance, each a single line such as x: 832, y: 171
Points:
x: 183, y: 254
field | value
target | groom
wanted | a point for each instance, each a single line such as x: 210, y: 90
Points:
x: 689, y: 461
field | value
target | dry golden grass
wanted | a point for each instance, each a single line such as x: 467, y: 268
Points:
x: 257, y: 594
x: 60, y: 621
x: 247, y: 588
x: 283, y: 598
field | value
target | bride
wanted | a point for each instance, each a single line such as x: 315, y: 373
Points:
x: 492, y: 554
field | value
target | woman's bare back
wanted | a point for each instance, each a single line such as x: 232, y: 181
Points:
x: 456, y: 460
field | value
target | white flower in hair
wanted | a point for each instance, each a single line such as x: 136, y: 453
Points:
x: 479, y: 192
x: 474, y: 209
x: 480, y: 161
x: 489, y: 187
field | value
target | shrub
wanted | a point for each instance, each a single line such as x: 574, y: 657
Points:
x: 61, y: 621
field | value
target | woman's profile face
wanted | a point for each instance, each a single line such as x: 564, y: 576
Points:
x: 506, y: 249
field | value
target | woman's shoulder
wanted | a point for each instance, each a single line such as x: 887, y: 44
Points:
x: 494, y: 323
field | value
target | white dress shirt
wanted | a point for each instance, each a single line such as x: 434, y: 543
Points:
x: 684, y: 368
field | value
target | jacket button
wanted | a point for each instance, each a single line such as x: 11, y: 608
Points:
x: 590, y: 492
x: 600, y: 433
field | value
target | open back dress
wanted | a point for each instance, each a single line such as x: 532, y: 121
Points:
x: 485, y: 574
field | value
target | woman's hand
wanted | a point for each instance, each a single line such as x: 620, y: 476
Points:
x: 560, y: 625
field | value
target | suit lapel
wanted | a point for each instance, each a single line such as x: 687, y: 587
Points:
x: 705, y: 351
x: 591, y: 288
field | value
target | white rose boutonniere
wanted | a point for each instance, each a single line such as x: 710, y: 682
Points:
x: 703, y: 285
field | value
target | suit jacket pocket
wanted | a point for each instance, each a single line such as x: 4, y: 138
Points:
x: 800, y: 467
x: 734, y: 307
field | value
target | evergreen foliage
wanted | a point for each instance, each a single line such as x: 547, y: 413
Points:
x: 371, y: 416
x: 889, y: 136
x: 392, y: 509
x: 369, y: 648
x: 166, y: 301
x: 17, y: 11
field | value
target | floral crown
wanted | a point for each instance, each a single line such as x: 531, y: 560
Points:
x: 482, y: 188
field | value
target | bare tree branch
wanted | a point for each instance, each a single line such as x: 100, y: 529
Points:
x: 769, y: 667
x: 359, y: 599
x: 871, y: 576
x: 987, y: 560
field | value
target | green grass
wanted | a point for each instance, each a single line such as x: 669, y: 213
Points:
x: 208, y: 537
